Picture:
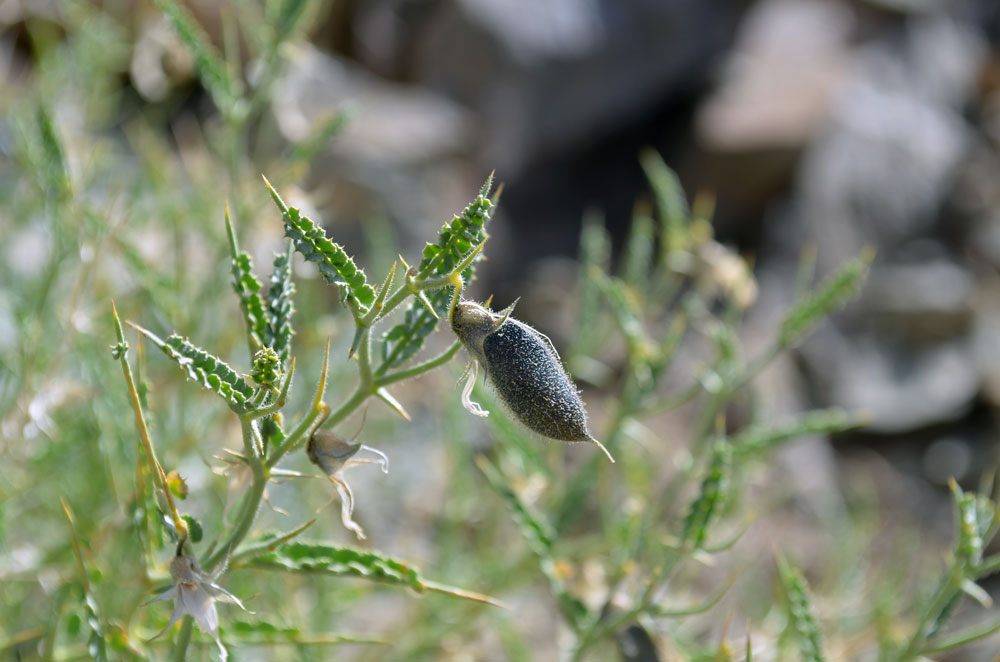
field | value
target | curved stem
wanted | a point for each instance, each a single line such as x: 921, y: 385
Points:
x: 420, y: 368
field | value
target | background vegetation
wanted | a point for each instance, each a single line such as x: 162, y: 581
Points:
x: 693, y: 545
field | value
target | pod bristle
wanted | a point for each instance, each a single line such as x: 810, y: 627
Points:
x: 601, y: 446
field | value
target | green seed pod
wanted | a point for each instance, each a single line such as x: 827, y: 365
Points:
x: 525, y: 370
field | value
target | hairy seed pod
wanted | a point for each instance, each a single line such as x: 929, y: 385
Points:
x: 525, y: 370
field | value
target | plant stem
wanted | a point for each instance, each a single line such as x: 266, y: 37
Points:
x: 420, y: 368
x: 251, y: 501
x: 949, y: 585
x: 140, y: 421
x: 183, y: 639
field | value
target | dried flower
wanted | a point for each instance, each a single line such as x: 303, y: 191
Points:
x: 332, y: 453
x: 722, y: 271
x: 195, y: 593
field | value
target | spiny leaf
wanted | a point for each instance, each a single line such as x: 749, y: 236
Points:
x: 210, y: 371
x: 211, y: 67
x: 710, y: 496
x: 335, y: 265
x: 800, y: 612
x: 539, y: 535
x: 280, y: 307
x: 247, y: 288
x: 347, y: 562
x: 456, y: 239
x: 833, y: 292
x: 266, y: 369
x: 405, y: 339
x: 759, y: 438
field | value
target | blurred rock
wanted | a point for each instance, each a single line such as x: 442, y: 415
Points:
x: 879, y: 172
x: 394, y: 124
x: 400, y: 155
x: 921, y: 302
x: 778, y: 84
x: 546, y: 76
x: 159, y: 60
x: 902, y: 388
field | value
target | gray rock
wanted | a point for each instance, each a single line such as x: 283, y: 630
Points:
x: 921, y: 302
x: 901, y: 388
x: 544, y: 76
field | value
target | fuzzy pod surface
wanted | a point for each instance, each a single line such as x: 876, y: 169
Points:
x: 525, y: 371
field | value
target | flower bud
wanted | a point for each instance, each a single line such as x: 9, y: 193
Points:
x: 266, y: 367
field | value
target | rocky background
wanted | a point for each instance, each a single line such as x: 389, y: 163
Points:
x: 817, y: 124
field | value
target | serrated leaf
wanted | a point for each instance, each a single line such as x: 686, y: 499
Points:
x: 455, y: 240
x: 335, y: 265
x: 800, y: 612
x: 210, y: 371
x: 347, y: 562
x: 832, y: 293
x: 280, y: 306
x: 710, y: 496
x: 247, y: 288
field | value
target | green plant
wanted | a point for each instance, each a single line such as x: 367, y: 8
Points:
x: 102, y: 510
x: 261, y: 400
